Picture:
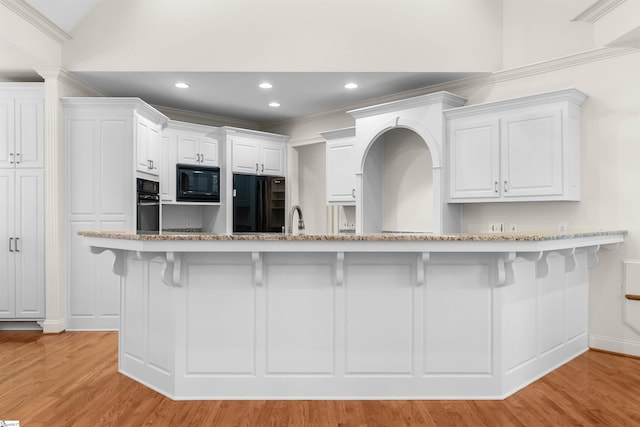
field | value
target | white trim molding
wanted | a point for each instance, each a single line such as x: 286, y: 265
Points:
x: 597, y: 10
x: 615, y: 345
x: 38, y: 20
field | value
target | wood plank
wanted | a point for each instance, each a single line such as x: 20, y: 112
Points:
x: 71, y: 379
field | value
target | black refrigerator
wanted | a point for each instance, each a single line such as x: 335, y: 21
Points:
x: 258, y: 204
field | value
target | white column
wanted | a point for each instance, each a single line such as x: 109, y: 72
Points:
x: 55, y: 247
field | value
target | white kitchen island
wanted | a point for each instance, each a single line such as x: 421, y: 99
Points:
x: 350, y: 317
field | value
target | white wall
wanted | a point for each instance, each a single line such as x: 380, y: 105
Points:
x: 311, y: 187
x: 537, y: 30
x: 408, y: 182
x: 288, y: 35
x: 24, y: 47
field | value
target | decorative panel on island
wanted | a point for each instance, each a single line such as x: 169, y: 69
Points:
x: 403, y: 316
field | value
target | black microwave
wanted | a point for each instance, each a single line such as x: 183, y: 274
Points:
x: 197, y: 183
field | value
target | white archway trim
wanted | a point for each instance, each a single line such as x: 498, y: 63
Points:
x: 433, y: 143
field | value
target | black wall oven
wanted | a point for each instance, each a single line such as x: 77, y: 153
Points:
x: 197, y: 183
x: 148, y: 206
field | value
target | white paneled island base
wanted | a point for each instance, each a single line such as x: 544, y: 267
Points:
x: 349, y: 317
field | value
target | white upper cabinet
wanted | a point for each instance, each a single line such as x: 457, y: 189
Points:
x: 186, y: 143
x: 21, y: 125
x: 341, y: 173
x: 197, y: 150
x: 257, y: 153
x: 148, y: 140
x: 524, y: 149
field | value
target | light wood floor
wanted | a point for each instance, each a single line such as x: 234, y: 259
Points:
x: 71, y: 379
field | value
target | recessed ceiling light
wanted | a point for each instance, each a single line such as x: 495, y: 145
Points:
x: 265, y: 85
x: 181, y: 85
x: 274, y: 104
x: 351, y: 85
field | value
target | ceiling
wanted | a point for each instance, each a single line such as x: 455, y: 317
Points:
x: 237, y: 95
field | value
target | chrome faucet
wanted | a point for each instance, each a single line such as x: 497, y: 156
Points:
x: 300, y: 220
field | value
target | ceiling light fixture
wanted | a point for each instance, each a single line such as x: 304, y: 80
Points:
x: 181, y: 85
x: 274, y: 104
x: 351, y: 85
x: 265, y: 85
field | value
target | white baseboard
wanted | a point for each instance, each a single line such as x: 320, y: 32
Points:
x: 616, y: 345
x: 53, y: 326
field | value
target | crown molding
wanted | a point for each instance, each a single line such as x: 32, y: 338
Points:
x: 570, y: 95
x: 192, y: 127
x: 230, y: 131
x: 449, y: 100
x: 205, y: 119
x: 339, y: 133
x: 597, y: 10
x: 38, y: 20
x: 69, y: 79
x: 136, y: 104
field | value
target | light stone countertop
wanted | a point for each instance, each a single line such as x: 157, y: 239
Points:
x: 499, y: 237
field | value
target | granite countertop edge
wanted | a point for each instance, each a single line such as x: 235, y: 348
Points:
x: 498, y: 237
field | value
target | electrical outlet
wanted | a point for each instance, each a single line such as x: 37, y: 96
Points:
x: 496, y: 227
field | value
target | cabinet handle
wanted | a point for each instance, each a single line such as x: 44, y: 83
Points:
x: 506, y: 187
x: 16, y: 244
x: 256, y: 168
x: 495, y: 186
x: 10, y: 158
x: 10, y: 244
x: 201, y: 157
x: 353, y: 193
x: 17, y: 157
x: 262, y: 168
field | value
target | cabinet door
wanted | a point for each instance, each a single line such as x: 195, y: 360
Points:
x: 188, y: 149
x: 142, y: 144
x: 272, y: 159
x: 532, y: 154
x: 245, y: 156
x: 29, y: 132
x: 168, y: 170
x: 474, y: 148
x: 7, y: 137
x: 153, y: 149
x: 29, y: 255
x: 341, y: 177
x: 7, y: 256
x: 209, y: 152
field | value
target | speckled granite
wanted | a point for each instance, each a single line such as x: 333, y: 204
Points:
x: 500, y: 237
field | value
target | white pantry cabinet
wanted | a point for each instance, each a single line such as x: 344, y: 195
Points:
x: 523, y: 149
x: 257, y: 153
x: 340, y: 167
x: 101, y: 157
x: 21, y: 125
x: 22, y: 279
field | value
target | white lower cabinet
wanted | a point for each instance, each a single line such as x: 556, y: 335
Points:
x: 524, y: 149
x: 341, y: 176
x: 22, y: 279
